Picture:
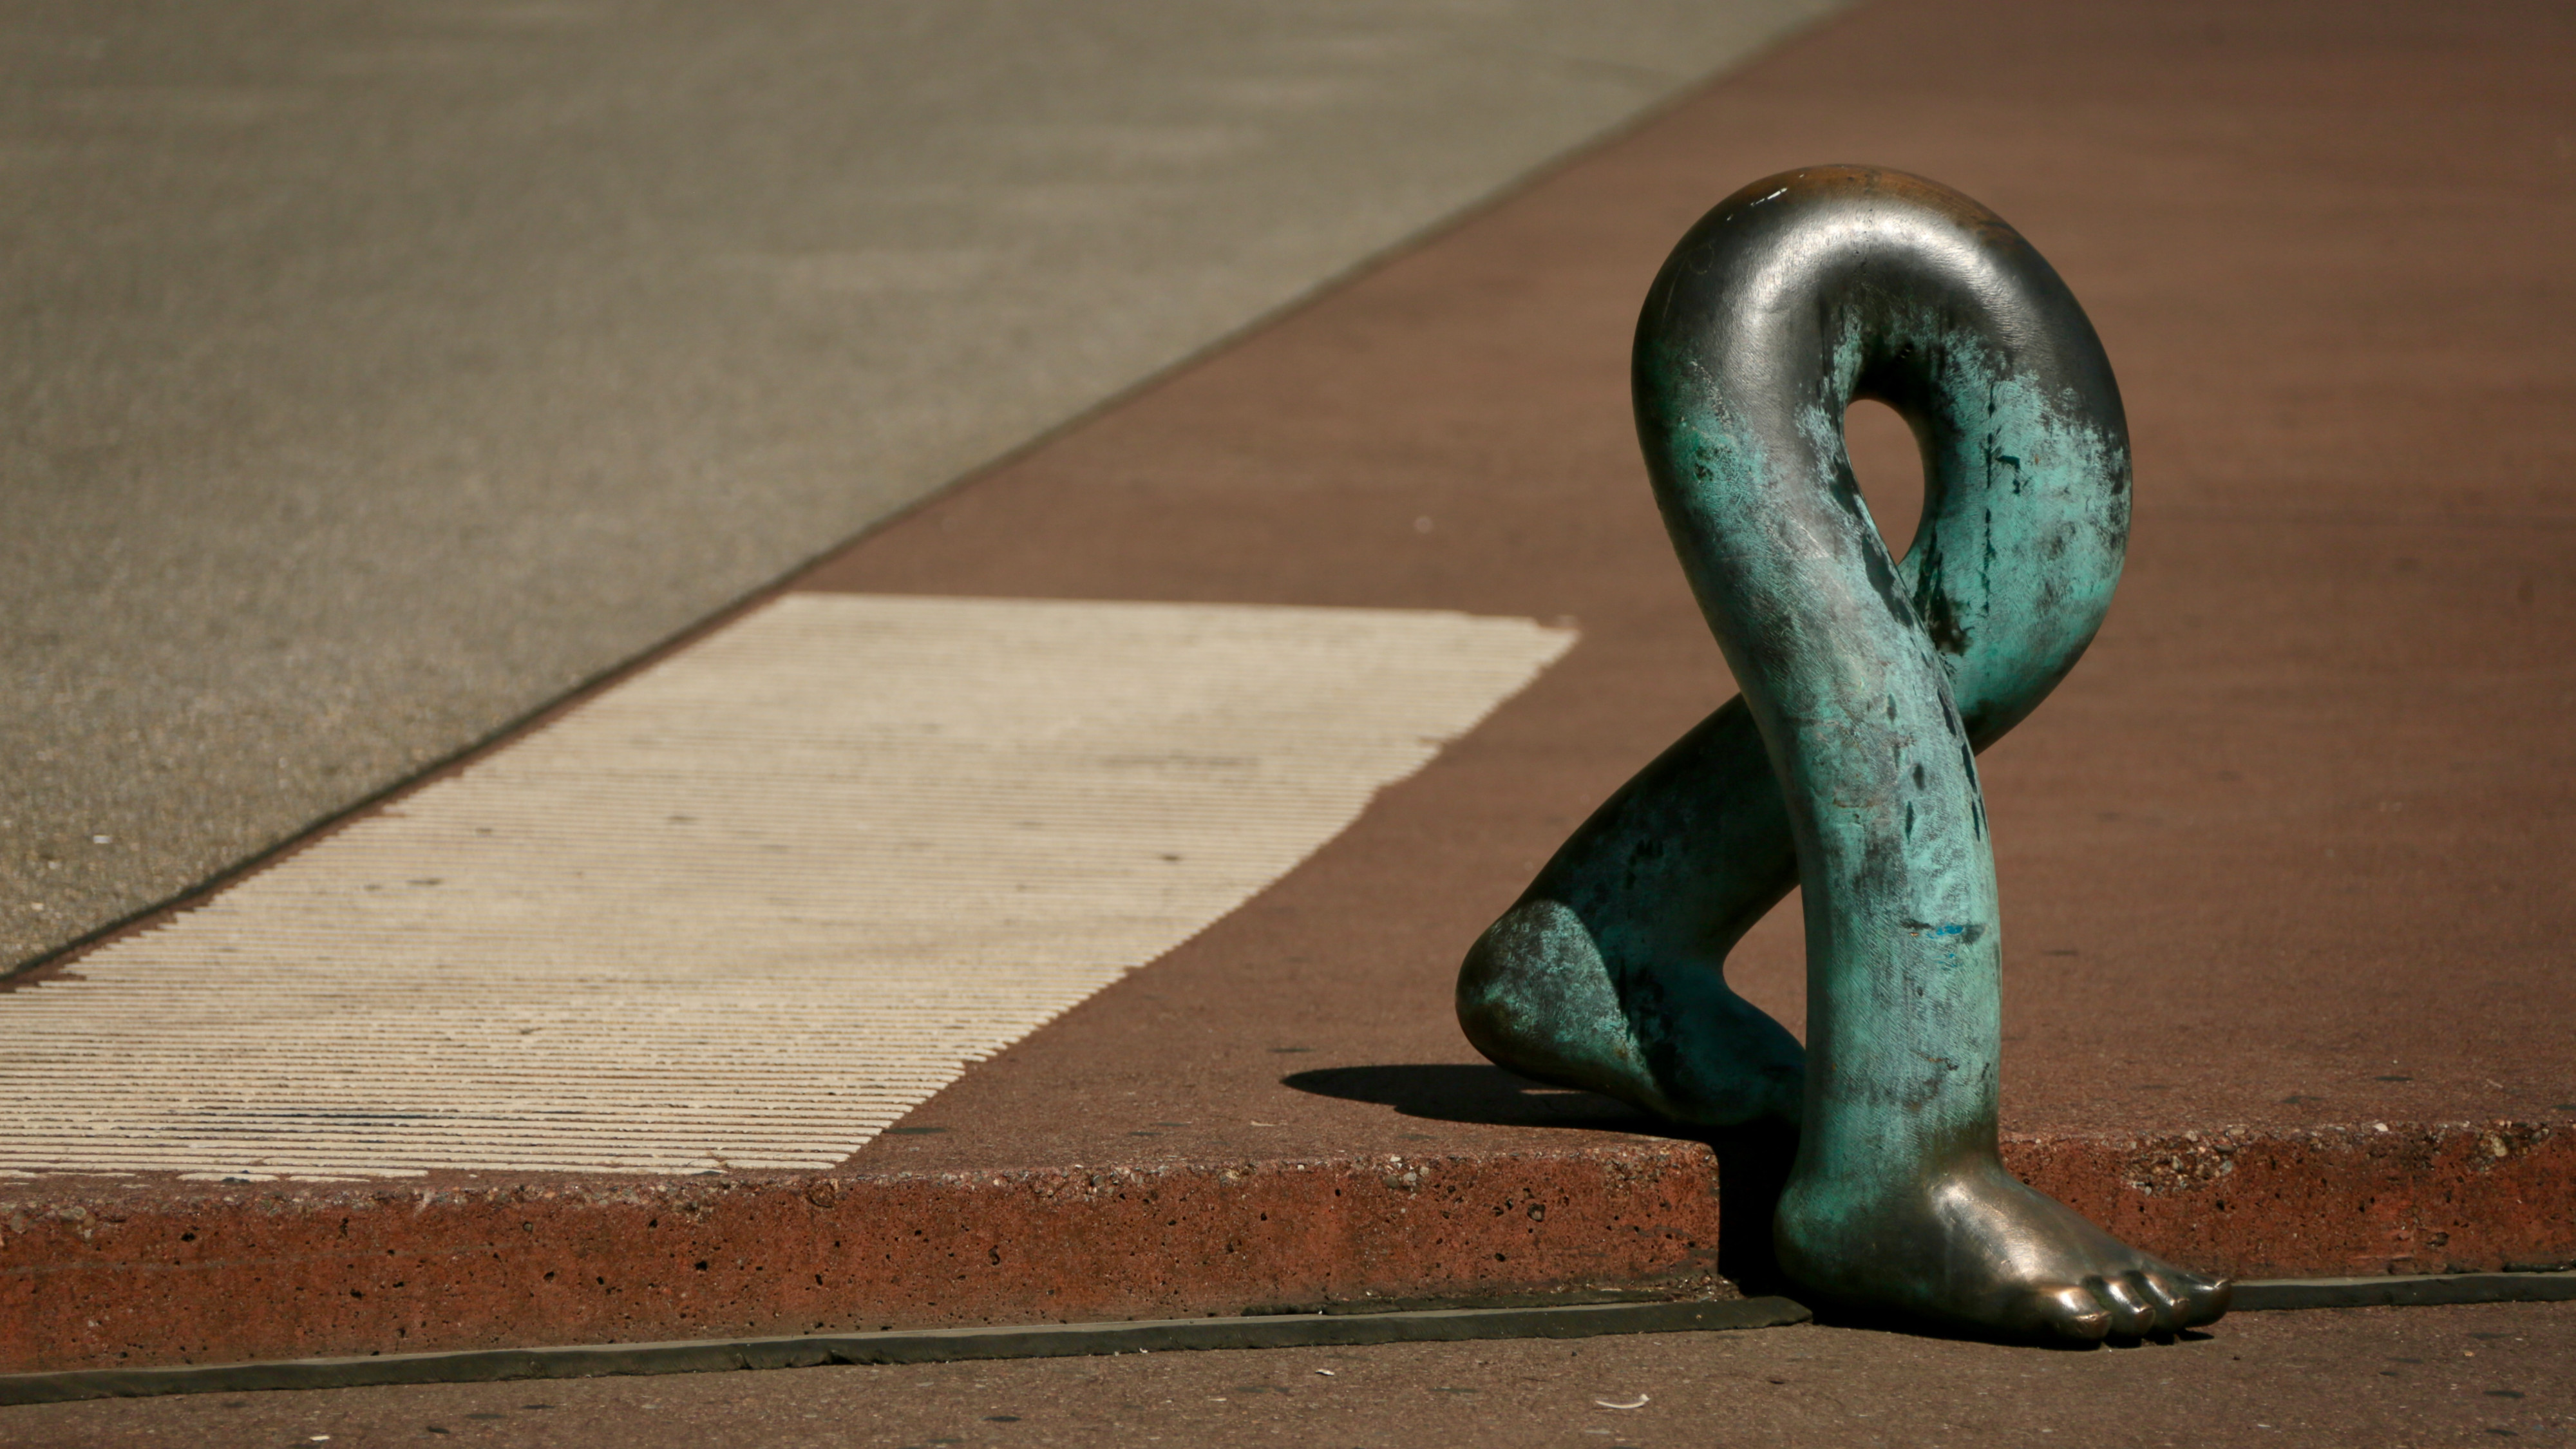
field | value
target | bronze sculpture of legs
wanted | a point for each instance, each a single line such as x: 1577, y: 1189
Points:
x: 1847, y: 765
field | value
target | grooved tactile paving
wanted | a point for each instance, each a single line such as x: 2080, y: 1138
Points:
x: 748, y: 907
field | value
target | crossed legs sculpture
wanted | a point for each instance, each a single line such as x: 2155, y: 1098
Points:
x: 1847, y: 765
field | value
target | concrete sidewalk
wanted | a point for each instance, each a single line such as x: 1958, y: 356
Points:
x: 376, y: 373
x: 2284, y: 862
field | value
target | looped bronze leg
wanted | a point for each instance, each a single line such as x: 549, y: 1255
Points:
x: 1848, y: 764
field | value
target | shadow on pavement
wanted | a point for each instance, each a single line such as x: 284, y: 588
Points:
x: 1486, y: 1095
x: 1752, y: 1162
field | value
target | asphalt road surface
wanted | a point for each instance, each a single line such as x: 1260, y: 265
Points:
x: 2492, y: 1374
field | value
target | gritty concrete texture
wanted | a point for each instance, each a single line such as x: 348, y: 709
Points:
x: 154, y: 1273
x: 2392, y: 1377
x: 163, y: 1278
x: 374, y: 373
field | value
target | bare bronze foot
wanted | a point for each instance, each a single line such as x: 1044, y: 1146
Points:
x: 1976, y: 1248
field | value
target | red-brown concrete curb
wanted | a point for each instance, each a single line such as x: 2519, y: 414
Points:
x: 156, y: 1278
x: 2326, y: 1201
x: 143, y: 1276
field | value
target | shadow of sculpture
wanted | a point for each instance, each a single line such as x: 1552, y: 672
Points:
x: 1478, y: 1093
x: 1752, y: 1161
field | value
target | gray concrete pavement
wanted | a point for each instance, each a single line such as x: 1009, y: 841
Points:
x: 375, y: 373
x: 2379, y: 1377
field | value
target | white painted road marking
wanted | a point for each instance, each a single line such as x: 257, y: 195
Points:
x: 752, y: 905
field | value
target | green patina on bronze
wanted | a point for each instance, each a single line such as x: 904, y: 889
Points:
x: 1848, y: 763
